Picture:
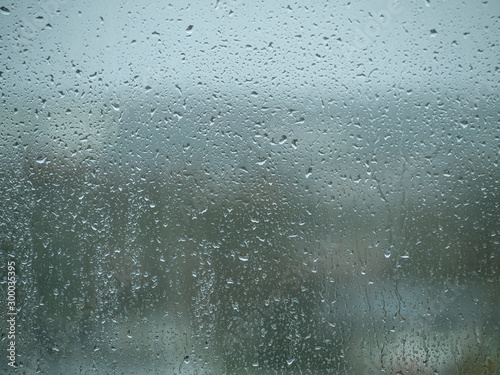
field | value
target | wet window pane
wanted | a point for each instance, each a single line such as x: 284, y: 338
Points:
x: 234, y: 187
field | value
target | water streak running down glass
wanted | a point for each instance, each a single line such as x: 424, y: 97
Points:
x: 234, y: 187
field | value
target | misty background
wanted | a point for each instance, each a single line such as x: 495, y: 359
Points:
x: 236, y: 187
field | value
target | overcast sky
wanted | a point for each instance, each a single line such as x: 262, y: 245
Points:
x: 240, y: 45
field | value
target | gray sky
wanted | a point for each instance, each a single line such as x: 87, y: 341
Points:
x: 239, y: 46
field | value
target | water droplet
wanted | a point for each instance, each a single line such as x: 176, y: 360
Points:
x: 309, y: 172
x: 289, y: 361
x: 5, y: 11
x: 243, y: 258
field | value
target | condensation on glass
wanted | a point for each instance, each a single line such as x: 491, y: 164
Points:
x: 234, y: 187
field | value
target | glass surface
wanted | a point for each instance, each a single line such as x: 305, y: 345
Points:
x: 236, y: 187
